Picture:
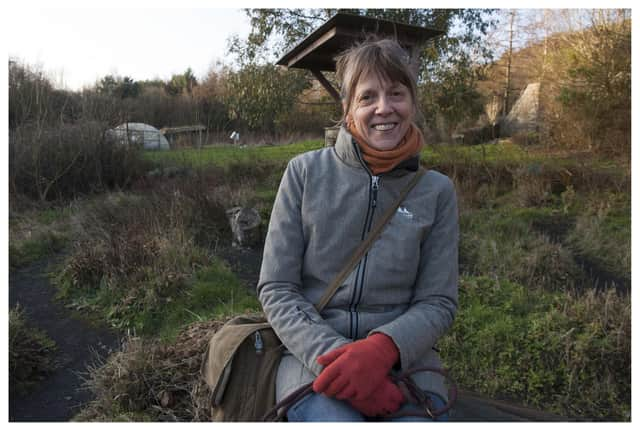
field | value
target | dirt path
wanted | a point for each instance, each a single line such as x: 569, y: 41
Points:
x: 60, y: 396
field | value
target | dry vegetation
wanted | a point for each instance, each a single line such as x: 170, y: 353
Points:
x: 152, y: 381
x: 31, y: 353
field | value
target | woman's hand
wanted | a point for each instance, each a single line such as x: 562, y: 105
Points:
x: 386, y: 400
x: 356, y: 370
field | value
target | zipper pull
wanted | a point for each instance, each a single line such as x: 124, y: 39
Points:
x: 374, y: 186
x: 257, y: 343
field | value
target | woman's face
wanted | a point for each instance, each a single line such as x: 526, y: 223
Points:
x: 382, y: 111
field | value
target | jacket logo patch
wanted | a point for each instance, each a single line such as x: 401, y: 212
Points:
x: 405, y: 212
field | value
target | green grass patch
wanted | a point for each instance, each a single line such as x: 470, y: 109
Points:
x: 561, y: 353
x: 490, y: 153
x: 154, y: 308
x: 215, y: 292
x: 27, y: 251
x: 224, y: 155
x: 38, y: 234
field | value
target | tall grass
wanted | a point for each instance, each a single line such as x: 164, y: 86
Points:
x: 561, y: 352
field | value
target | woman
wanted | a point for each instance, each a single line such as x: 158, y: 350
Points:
x: 402, y: 296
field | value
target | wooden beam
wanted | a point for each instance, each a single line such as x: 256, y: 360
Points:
x: 326, y: 84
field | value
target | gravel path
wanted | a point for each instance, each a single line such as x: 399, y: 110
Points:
x: 60, y: 396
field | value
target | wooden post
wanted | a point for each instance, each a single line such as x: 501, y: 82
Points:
x: 414, y: 61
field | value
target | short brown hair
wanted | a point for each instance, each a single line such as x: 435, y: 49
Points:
x: 384, y: 57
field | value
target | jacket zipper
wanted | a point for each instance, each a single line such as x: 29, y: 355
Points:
x: 356, y: 296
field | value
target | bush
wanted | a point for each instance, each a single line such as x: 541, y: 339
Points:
x: 69, y: 160
x: 559, y: 352
x: 31, y: 353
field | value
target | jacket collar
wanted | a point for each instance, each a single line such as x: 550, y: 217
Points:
x: 349, y: 152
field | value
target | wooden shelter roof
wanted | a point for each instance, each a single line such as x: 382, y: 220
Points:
x: 317, y: 51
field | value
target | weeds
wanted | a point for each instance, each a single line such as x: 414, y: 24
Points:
x: 35, y: 234
x: 31, y: 353
x: 560, y: 352
x: 602, y: 233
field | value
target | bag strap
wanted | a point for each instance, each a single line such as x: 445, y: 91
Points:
x: 366, y: 244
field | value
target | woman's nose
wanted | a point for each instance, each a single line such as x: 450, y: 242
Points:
x: 383, y: 106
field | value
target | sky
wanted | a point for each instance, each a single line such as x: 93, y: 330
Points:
x: 77, y: 46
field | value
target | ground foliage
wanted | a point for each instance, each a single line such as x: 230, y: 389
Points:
x: 31, y: 353
x: 153, y: 381
x: 563, y: 353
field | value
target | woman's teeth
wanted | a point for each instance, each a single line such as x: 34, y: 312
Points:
x: 384, y: 126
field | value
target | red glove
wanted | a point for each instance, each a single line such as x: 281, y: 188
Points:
x: 354, y: 371
x: 387, y: 399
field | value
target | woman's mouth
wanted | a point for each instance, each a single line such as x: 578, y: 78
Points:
x: 384, y: 126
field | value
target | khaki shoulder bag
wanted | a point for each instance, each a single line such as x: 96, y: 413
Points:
x: 242, y: 358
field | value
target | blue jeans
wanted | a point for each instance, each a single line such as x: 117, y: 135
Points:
x: 317, y: 407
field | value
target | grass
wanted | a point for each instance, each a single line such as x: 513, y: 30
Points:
x: 31, y: 353
x: 602, y: 232
x: 225, y: 155
x: 503, y: 243
x: 527, y: 327
x: 215, y: 292
x: 37, y: 234
x: 212, y: 291
x: 561, y: 353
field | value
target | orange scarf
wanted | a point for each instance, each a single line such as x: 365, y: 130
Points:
x: 383, y: 161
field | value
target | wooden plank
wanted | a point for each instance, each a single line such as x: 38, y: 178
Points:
x: 317, y: 43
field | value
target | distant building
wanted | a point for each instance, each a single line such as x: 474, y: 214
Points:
x: 142, y: 134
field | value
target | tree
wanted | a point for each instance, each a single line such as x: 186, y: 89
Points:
x: 118, y: 87
x: 258, y: 94
x: 273, y: 31
x: 592, y: 82
x: 182, y: 83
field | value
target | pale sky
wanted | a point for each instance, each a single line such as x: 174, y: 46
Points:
x: 76, y: 46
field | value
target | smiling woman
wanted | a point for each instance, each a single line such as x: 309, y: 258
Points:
x: 402, y: 295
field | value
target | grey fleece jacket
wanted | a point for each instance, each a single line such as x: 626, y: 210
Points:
x: 406, y: 286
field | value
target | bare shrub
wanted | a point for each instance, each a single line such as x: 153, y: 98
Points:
x: 69, y: 160
x: 152, y: 381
